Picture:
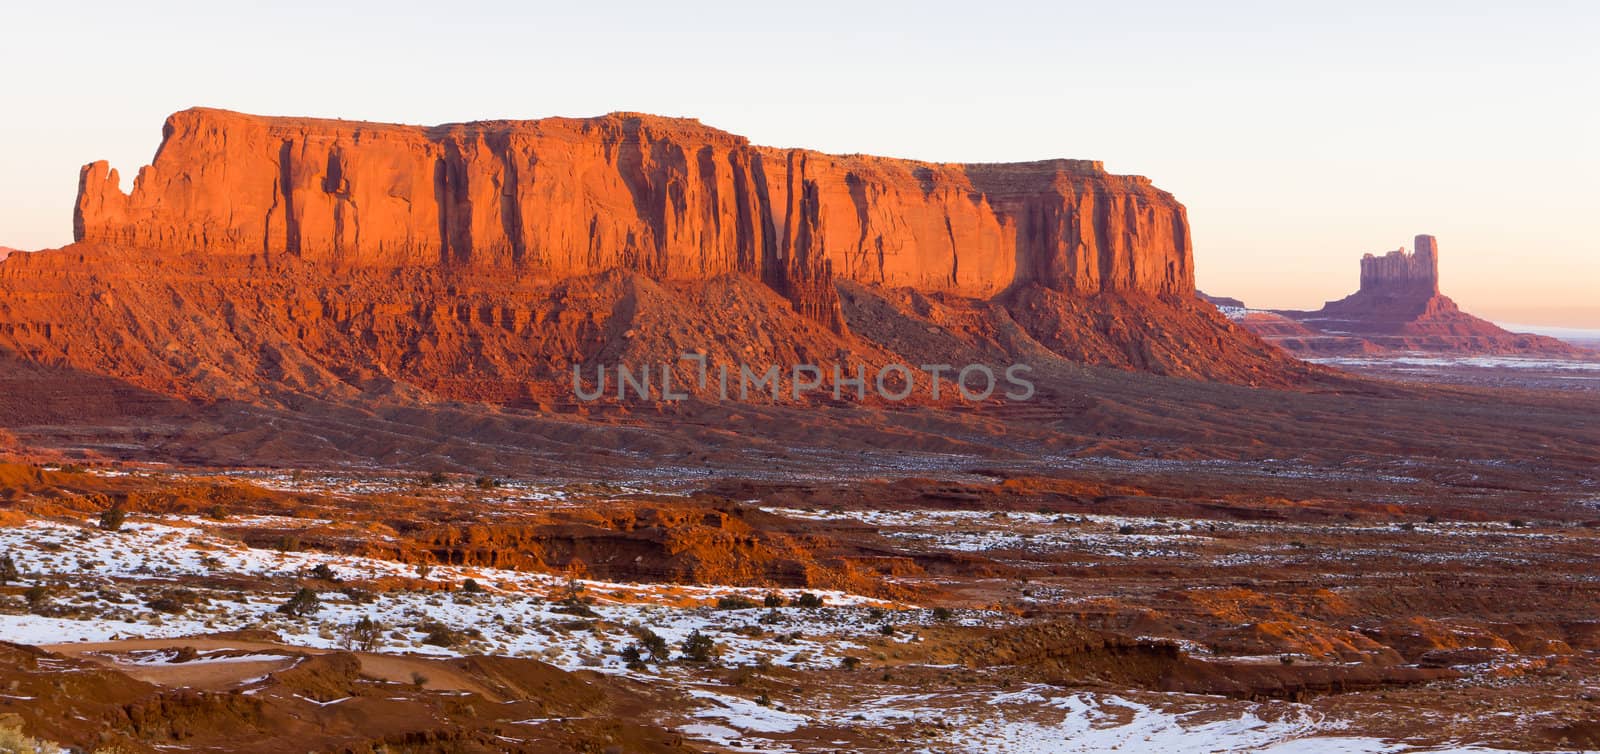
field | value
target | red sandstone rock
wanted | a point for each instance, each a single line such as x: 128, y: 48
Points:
x: 1398, y: 308
x: 667, y: 197
x: 268, y: 257
x: 1402, y: 273
x: 1221, y: 302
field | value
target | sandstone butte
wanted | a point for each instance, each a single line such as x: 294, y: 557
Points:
x: 1399, y: 307
x: 471, y: 251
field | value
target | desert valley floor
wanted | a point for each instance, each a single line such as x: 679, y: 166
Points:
x: 1428, y: 587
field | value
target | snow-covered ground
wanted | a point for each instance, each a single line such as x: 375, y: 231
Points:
x: 1476, y: 362
x: 1226, y: 543
x: 105, y: 579
x: 158, y: 657
x: 1111, y: 723
x: 1041, y: 719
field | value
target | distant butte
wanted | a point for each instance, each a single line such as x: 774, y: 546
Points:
x: 1397, y: 308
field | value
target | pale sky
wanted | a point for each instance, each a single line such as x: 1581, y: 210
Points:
x: 1299, y: 138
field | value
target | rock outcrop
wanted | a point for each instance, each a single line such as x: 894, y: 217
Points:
x: 1224, y: 303
x: 1399, y: 295
x: 1397, y: 308
x: 669, y: 198
x: 1401, y: 273
x: 6, y: 251
x: 262, y: 256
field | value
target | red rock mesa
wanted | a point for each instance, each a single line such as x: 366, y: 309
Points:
x: 482, y: 260
x: 666, y: 197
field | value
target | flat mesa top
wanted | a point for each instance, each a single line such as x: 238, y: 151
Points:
x: 628, y: 122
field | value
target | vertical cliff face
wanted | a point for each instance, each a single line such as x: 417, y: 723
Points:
x: 262, y: 257
x: 1401, y: 273
x: 669, y: 198
x: 802, y: 272
x: 1079, y: 229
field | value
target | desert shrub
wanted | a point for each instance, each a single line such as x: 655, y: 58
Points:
x: 943, y: 613
x: 8, y: 570
x: 735, y: 602
x: 418, y: 680
x: 471, y: 586
x: 289, y: 543
x: 111, y: 519
x: 774, y: 600
x: 849, y: 663
x: 487, y: 482
x: 807, y: 599
x: 443, y: 636
x: 324, y: 573
x: 1286, y: 659
x: 574, y: 587
x: 652, y: 643
x: 575, y: 606
x: 111, y: 595
x: 303, y: 604
x: 437, y: 477
x: 166, y: 604
x: 14, y: 741
x: 887, y: 629
x: 571, y: 598
x: 698, y: 647
x: 424, y: 570
x: 364, y: 634
x: 633, y: 656
x: 358, y: 595
x: 440, y: 635
x: 1125, y: 529
x: 37, y: 597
